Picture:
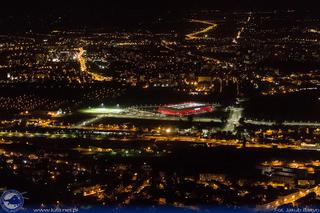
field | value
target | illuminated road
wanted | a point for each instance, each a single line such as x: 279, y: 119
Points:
x: 214, y: 60
x: 82, y: 61
x: 195, y: 35
x: 167, y: 44
x: 83, y: 68
x: 314, y: 31
x: 286, y: 123
x: 99, y: 133
x: 90, y: 121
x: 159, y: 138
x: 238, y: 36
x: 291, y: 198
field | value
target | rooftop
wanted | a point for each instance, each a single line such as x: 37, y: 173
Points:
x: 185, y: 105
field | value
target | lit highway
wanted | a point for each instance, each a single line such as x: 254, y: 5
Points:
x: 195, y: 35
x: 291, y: 198
x: 82, y: 61
x: 83, y: 67
x: 90, y: 121
x: 167, y: 44
x: 97, y: 133
x: 285, y: 123
x: 238, y: 35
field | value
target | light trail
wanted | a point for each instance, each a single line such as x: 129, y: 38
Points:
x: 166, y: 44
x: 238, y: 36
x: 194, y: 35
x: 84, y: 68
x: 82, y: 61
x: 102, y: 133
x: 90, y: 121
x: 291, y: 198
x: 313, y: 31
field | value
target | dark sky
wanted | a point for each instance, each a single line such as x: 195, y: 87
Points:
x: 61, y: 6
x: 24, y: 15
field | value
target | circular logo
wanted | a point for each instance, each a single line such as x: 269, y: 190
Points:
x: 11, y: 201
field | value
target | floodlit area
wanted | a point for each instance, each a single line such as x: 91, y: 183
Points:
x: 148, y: 113
x: 102, y: 110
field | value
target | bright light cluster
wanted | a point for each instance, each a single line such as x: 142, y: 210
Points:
x: 102, y: 110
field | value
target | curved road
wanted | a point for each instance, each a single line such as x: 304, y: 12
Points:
x: 194, y: 35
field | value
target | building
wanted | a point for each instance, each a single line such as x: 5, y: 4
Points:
x: 184, y: 109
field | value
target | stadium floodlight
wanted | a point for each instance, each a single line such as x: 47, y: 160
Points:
x: 102, y: 111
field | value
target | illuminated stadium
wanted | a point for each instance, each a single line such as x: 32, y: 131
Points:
x: 184, y: 109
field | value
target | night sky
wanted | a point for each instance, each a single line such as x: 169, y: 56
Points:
x: 16, y: 7
x: 21, y: 16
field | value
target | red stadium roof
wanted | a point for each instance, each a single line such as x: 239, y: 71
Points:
x: 184, y: 109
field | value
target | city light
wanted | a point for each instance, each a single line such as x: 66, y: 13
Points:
x: 110, y: 108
